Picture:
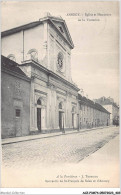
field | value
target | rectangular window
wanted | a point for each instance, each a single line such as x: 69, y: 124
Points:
x: 17, y: 112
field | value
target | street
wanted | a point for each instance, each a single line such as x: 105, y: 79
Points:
x: 30, y: 163
x: 70, y: 148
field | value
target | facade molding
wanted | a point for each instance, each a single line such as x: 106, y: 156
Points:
x: 41, y: 92
x: 49, y: 73
x: 59, y: 92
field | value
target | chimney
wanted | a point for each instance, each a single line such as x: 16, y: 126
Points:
x: 46, y: 14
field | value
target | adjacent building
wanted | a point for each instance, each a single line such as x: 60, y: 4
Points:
x: 92, y: 114
x: 15, y: 100
x: 111, y: 106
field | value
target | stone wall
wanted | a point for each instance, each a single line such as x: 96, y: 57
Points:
x: 15, y: 106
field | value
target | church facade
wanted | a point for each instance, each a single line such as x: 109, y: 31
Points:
x: 43, y: 51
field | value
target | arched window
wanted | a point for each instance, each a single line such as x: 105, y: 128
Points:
x: 11, y: 57
x: 33, y: 54
x: 73, y: 109
x: 60, y: 105
x: 39, y: 102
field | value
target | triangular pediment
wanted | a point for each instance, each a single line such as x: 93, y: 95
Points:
x: 62, y: 27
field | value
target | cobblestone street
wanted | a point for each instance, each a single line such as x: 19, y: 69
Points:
x: 70, y: 148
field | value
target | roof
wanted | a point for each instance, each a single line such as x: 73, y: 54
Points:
x: 53, y: 20
x: 106, y: 101
x: 90, y: 103
x: 110, y: 103
x: 11, y: 66
x: 20, y: 28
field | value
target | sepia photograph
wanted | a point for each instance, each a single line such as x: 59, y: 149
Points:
x: 60, y: 94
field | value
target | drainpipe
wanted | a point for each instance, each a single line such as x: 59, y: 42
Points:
x: 23, y: 45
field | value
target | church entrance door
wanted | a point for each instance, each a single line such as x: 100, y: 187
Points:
x: 39, y: 118
x: 60, y: 119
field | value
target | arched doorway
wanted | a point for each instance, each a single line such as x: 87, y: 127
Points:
x: 39, y: 103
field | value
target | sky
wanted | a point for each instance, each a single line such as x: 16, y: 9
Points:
x: 95, y: 57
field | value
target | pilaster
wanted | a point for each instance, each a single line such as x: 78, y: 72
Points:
x: 32, y: 105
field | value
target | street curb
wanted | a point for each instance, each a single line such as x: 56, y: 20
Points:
x: 50, y: 136
x: 39, y: 138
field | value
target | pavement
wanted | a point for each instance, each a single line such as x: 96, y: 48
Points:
x: 37, y: 163
x: 105, y: 163
x: 45, y: 135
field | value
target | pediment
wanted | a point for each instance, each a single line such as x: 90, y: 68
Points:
x: 62, y: 27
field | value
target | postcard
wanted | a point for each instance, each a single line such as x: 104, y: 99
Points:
x: 60, y: 94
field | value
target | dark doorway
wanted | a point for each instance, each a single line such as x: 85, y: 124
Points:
x: 60, y: 119
x: 39, y: 118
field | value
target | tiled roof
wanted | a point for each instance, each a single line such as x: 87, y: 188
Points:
x: 90, y: 103
x: 11, y: 66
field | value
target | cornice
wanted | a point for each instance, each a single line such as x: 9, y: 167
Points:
x: 38, y: 91
x: 49, y: 73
